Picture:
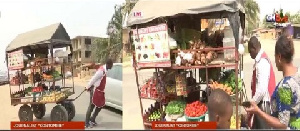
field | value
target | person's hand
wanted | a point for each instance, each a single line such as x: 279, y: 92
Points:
x: 87, y: 89
x: 253, y: 109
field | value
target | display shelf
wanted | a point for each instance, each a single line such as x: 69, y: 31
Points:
x: 204, y: 49
x: 48, y: 65
x: 150, y: 98
x: 203, y: 66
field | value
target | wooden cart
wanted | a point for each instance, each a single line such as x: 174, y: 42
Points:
x: 37, y: 81
x: 189, y: 12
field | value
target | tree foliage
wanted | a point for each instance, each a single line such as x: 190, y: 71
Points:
x: 110, y: 47
x: 99, y: 52
x: 252, y: 11
x: 294, y: 18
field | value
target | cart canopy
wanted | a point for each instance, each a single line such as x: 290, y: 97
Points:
x: 211, y: 9
x: 152, y: 9
x: 54, y: 34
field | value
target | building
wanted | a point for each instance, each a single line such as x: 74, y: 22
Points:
x: 265, y: 33
x: 82, y: 49
x: 296, y: 29
x: 82, y: 52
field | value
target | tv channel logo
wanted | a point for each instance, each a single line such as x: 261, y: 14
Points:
x: 271, y: 18
x: 277, y: 17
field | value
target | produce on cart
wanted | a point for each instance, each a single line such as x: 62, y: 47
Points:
x: 175, y: 109
x: 190, y: 66
x: 37, y: 73
x: 195, y: 111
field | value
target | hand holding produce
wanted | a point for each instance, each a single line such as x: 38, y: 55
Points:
x: 195, y: 109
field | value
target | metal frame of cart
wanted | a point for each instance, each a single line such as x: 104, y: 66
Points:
x: 142, y: 15
x: 40, y: 41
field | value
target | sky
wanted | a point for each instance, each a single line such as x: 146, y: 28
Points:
x: 267, y: 6
x: 79, y: 17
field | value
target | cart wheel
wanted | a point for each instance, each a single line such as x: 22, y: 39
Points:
x: 39, y: 110
x: 59, y: 113
x: 25, y: 113
x: 70, y: 108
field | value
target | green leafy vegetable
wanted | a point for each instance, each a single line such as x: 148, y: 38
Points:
x: 228, y: 78
x: 175, y: 107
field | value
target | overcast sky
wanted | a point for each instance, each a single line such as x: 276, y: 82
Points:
x: 79, y: 17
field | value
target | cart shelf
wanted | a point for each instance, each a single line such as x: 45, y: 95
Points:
x: 149, y: 98
x: 18, y: 100
x: 204, y: 66
x: 48, y: 65
x: 204, y: 49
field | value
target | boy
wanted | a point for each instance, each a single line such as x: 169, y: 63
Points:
x: 220, y: 108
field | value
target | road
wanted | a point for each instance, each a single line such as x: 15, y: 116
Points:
x: 107, y: 118
x: 132, y: 118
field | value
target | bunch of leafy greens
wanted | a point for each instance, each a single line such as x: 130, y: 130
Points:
x: 228, y: 78
x: 175, y: 107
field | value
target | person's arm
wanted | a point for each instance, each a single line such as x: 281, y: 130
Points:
x: 277, y: 123
x: 98, y: 75
x: 263, y: 73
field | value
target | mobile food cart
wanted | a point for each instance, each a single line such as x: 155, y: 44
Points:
x: 167, y: 37
x: 37, y: 77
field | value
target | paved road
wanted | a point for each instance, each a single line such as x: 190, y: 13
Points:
x: 132, y: 117
x: 107, y: 118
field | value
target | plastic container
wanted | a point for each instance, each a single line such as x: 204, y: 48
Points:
x: 229, y: 54
x: 194, y: 119
x: 228, y: 33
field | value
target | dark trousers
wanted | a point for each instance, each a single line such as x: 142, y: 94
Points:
x: 90, y: 110
x: 259, y: 123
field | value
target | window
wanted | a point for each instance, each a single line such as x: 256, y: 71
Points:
x: 87, y: 41
x: 79, y: 54
x: 88, y: 54
x: 115, y: 72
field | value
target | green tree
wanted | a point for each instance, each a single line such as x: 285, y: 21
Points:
x: 114, y: 31
x: 252, y: 11
x: 127, y: 7
x: 99, y: 52
x: 110, y: 47
x: 294, y: 18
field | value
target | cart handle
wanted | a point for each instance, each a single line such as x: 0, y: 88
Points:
x: 76, y: 97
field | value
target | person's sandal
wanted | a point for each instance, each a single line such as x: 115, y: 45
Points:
x: 88, y: 125
x: 94, y: 123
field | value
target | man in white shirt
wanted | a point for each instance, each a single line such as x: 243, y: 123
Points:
x: 97, y: 96
x: 263, y: 82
